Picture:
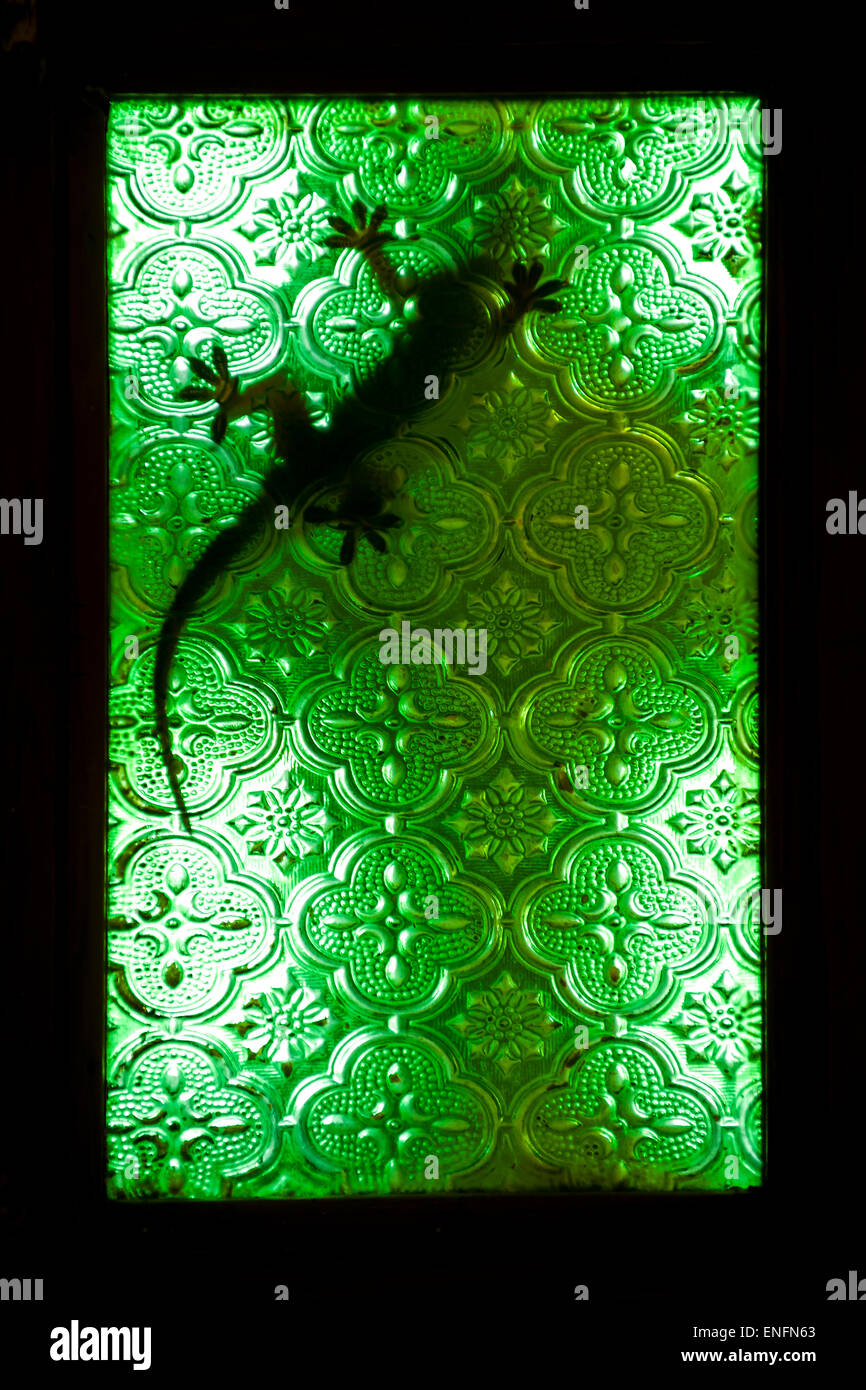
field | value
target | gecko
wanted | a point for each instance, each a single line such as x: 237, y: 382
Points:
x: 445, y: 312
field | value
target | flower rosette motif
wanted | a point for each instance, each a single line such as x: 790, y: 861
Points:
x: 388, y: 156
x: 183, y: 1123
x: 512, y: 225
x: 393, y: 922
x: 713, y: 610
x: 282, y: 1025
x: 391, y: 737
x: 195, y: 160
x: 170, y: 501
x: 287, y: 621
x: 516, y: 620
x: 721, y: 821
x: 722, y: 428
x: 288, y: 229
x: 620, y: 713
x: 505, y: 822
x: 725, y: 223
x: 629, y: 156
x: 646, y: 523
x: 183, y: 921
x: 630, y: 321
x: 172, y: 301
x: 622, y: 924
x: 345, y: 323
x: 223, y: 727
x: 505, y: 1025
x: 388, y: 1107
x: 285, y: 824
x: 625, y: 1114
x: 510, y: 426
x: 723, y: 1024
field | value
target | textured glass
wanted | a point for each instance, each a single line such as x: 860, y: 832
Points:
x: 439, y: 927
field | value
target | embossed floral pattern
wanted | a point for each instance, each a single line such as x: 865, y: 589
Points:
x: 628, y: 320
x: 516, y: 621
x: 720, y: 820
x: 513, y: 225
x: 180, y: 1126
x: 394, y: 729
x: 395, y: 923
x: 283, y: 1025
x: 177, y: 497
x: 505, y: 1024
x: 395, y: 1111
x: 284, y: 824
x: 288, y: 620
x: 621, y: 1118
x: 623, y: 523
x: 722, y: 424
x: 714, y: 612
x: 179, y: 916
x: 626, y: 156
x: 222, y: 724
x: 625, y: 923
x: 723, y: 1025
x: 725, y: 224
x: 482, y: 924
x: 180, y: 300
x: 390, y: 152
x: 193, y: 160
x: 621, y: 718
x: 288, y: 229
x: 506, y: 822
x: 510, y: 424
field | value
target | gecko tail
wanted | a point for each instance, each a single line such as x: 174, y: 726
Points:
x: 197, y: 583
x: 165, y: 655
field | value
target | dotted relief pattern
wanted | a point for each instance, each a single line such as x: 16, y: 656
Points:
x: 440, y: 927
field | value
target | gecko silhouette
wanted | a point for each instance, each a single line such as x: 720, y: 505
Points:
x: 447, y: 312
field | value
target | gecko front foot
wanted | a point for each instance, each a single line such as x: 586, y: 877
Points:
x: 221, y: 387
x: 358, y: 514
x: 365, y: 236
x: 525, y: 293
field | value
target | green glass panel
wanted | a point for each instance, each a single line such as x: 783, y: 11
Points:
x: 473, y: 912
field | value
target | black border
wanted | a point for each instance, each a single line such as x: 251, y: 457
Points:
x: 719, y: 1253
